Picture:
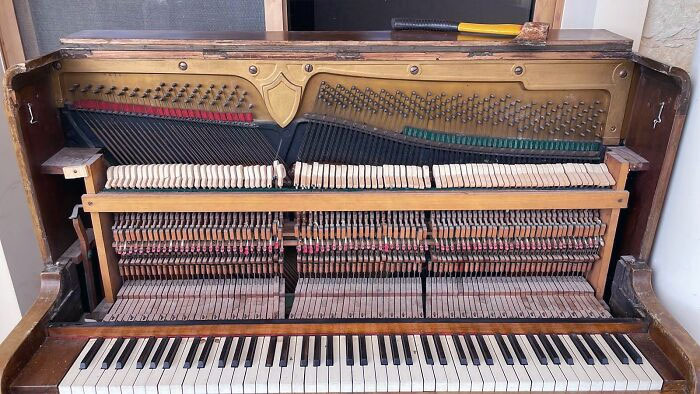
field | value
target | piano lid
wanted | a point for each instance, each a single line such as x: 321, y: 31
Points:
x: 568, y: 40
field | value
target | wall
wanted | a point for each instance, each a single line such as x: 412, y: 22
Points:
x: 20, y: 263
x: 606, y: 14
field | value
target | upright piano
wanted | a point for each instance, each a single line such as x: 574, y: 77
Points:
x: 346, y: 212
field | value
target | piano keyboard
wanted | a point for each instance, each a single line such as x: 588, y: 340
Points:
x: 351, y: 363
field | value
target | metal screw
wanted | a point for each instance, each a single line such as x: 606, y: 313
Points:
x: 623, y: 74
x: 414, y: 70
x: 182, y: 66
x: 58, y: 65
x: 253, y: 70
x: 518, y: 70
x: 308, y: 68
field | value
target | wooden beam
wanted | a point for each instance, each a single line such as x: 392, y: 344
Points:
x: 294, y: 201
x: 276, y: 15
x: 549, y: 11
x: 10, y: 40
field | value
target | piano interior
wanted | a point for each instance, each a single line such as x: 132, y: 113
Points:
x: 341, y: 213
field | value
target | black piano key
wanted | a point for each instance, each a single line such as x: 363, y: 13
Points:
x: 329, y: 351
x: 581, y: 349
x: 224, y: 352
x: 236, y: 360
x: 121, y: 361
x: 406, y: 350
x: 159, y: 353
x: 251, y: 352
x: 519, y: 353
x: 112, y: 353
x: 539, y: 353
x: 473, y: 354
x: 90, y: 355
x: 488, y: 358
x: 143, y: 357
x: 191, y: 353
x: 284, y: 354
x: 621, y: 355
x: 363, y: 349
x: 504, y: 349
x: 304, y: 361
x: 562, y: 350
x: 440, y: 350
x: 395, y: 358
x: 170, y: 357
x: 549, y: 349
x: 636, y: 357
x: 204, y: 356
x: 349, y: 357
x: 383, y: 359
x: 460, y: 350
x: 317, y: 351
x: 597, y: 352
x: 270, y: 359
x: 426, y: 350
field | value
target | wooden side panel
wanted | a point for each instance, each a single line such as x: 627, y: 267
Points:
x: 37, y: 135
x: 652, y: 132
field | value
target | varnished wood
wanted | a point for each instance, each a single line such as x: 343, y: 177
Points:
x: 71, y: 158
x: 11, y: 49
x: 275, y: 15
x: 84, y: 240
x: 292, y: 201
x: 486, y: 326
x: 47, y: 367
x: 19, y: 346
x: 549, y: 11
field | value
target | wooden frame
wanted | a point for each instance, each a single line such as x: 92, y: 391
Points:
x: 549, y: 11
x: 11, y: 49
x: 275, y: 15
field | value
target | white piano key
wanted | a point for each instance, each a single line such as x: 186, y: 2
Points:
x: 239, y: 373
x: 450, y: 371
x: 546, y: 379
x: 263, y: 370
x: 251, y: 372
x: 438, y: 369
x: 334, y: 382
x: 465, y: 382
x: 414, y: 369
x: 94, y: 369
x: 322, y: 369
x: 345, y: 369
x: 425, y: 368
x: 201, y: 384
x: 121, y: 374
x: 492, y: 375
x: 404, y: 372
x: 613, y: 364
x: 310, y: 370
x: 212, y: 384
x: 379, y: 369
x: 594, y: 382
x: 358, y: 377
x: 525, y: 383
x: 224, y: 384
x: 368, y: 370
x: 168, y: 380
x: 287, y: 372
x: 158, y: 371
x: 480, y: 380
x: 74, y: 370
x: 572, y: 373
x: 109, y: 374
x: 512, y: 383
x: 298, y: 374
x: 655, y: 380
x: 274, y: 376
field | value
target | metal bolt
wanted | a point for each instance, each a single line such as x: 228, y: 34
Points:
x: 414, y: 70
x: 623, y: 74
x: 253, y: 70
x: 518, y: 70
x: 182, y: 66
x: 58, y: 65
x: 308, y: 68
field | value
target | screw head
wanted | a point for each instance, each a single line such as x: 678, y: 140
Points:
x: 622, y: 74
x: 182, y: 66
x: 253, y: 70
x: 308, y: 68
x: 57, y: 65
x: 413, y: 70
x: 518, y: 70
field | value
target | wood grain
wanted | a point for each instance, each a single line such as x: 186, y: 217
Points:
x: 275, y: 15
x: 11, y: 49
